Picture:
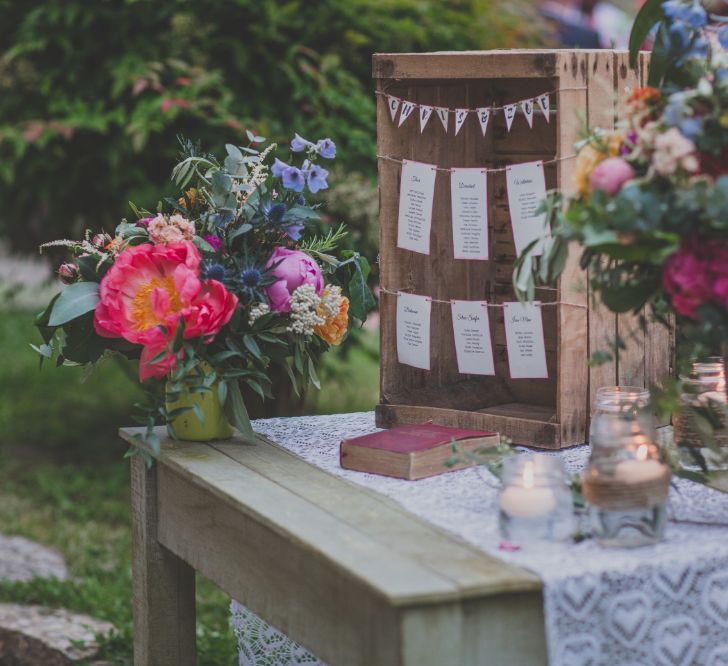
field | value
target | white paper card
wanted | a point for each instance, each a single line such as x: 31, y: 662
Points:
x: 473, y: 345
x: 460, y: 116
x: 526, y: 190
x: 509, y: 112
x: 425, y: 113
x: 525, y: 341
x: 416, y: 194
x: 393, y: 104
x: 544, y: 104
x: 413, y: 330
x: 483, y: 118
x: 442, y: 114
x: 406, y: 112
x: 527, y: 106
x: 469, y: 193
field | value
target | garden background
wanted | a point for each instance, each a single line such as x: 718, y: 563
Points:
x: 92, y: 97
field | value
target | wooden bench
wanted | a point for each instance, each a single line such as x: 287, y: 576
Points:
x: 346, y: 572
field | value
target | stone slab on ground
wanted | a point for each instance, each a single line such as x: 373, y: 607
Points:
x: 22, y: 559
x: 34, y: 635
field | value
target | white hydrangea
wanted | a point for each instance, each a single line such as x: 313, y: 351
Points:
x: 331, y: 301
x: 304, y: 304
x: 257, y: 311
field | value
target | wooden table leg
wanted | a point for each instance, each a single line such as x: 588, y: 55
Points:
x: 164, y: 585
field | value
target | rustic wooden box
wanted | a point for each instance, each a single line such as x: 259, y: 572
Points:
x: 549, y: 413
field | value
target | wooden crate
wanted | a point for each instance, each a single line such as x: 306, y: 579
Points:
x: 549, y: 413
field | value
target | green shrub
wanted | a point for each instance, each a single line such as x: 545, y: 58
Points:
x: 92, y: 94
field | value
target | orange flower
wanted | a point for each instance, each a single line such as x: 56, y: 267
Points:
x: 645, y: 96
x: 334, y: 328
x: 191, y: 195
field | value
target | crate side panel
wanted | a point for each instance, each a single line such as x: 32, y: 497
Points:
x: 573, y: 334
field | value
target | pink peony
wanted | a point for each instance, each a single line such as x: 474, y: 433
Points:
x: 610, y: 175
x: 697, y: 273
x: 150, y: 286
x: 295, y: 269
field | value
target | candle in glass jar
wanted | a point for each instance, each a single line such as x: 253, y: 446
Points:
x: 525, y: 500
x: 640, y: 469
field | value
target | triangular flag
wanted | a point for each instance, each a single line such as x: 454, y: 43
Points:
x: 425, y: 113
x: 393, y: 104
x: 407, y: 109
x: 442, y: 114
x: 543, y: 103
x: 460, y: 116
x: 509, y: 111
x: 527, y: 106
x: 483, y: 118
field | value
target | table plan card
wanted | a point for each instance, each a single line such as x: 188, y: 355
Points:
x: 413, y: 330
x: 526, y: 190
x: 416, y: 194
x: 473, y: 346
x: 469, y: 193
x: 525, y: 341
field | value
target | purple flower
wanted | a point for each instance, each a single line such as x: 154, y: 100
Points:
x: 691, y: 127
x: 293, y: 179
x: 278, y: 168
x: 316, y: 178
x: 213, y: 241
x: 723, y: 37
x: 299, y: 144
x: 144, y: 222
x: 294, y: 230
x: 326, y: 148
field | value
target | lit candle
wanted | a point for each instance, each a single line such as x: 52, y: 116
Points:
x: 526, y: 500
x: 641, y: 468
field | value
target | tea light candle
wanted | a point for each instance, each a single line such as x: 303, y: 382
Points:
x: 525, y: 500
x: 640, y: 469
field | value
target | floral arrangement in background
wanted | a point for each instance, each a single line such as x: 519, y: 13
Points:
x: 649, y: 207
x: 215, y: 286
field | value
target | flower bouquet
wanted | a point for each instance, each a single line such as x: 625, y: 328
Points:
x: 650, y: 202
x: 212, y: 289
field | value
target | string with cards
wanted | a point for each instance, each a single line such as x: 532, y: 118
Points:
x: 405, y: 108
x: 525, y: 342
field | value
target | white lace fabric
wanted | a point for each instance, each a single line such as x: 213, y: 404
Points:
x: 664, y: 605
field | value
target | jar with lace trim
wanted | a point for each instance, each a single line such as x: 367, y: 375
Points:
x: 626, y: 483
x: 703, y: 408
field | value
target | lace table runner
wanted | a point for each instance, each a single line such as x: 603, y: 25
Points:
x: 661, y: 605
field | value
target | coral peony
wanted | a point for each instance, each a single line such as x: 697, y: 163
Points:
x: 334, y: 329
x: 150, y: 286
x: 294, y: 268
x: 610, y: 175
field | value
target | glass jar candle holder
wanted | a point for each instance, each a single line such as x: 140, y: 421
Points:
x: 704, y: 390
x: 535, y: 501
x: 625, y: 483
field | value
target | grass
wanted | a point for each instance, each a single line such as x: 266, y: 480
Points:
x: 63, y: 481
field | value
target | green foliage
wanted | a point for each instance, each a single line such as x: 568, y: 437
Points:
x: 93, y: 94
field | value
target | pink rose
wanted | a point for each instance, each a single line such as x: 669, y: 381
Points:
x: 610, y: 175
x: 295, y: 269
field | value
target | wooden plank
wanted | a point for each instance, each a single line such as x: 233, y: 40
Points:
x: 659, y: 339
x: 503, y: 64
x: 573, y: 333
x: 522, y: 430
x: 630, y: 361
x: 601, y: 113
x: 163, y: 584
x: 381, y: 519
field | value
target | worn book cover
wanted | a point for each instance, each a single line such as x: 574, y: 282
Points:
x: 411, y: 451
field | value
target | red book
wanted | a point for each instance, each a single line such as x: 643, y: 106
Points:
x: 412, y: 451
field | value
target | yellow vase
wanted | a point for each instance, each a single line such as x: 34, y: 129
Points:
x: 187, y: 426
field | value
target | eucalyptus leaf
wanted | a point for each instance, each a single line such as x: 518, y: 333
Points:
x: 75, y: 300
